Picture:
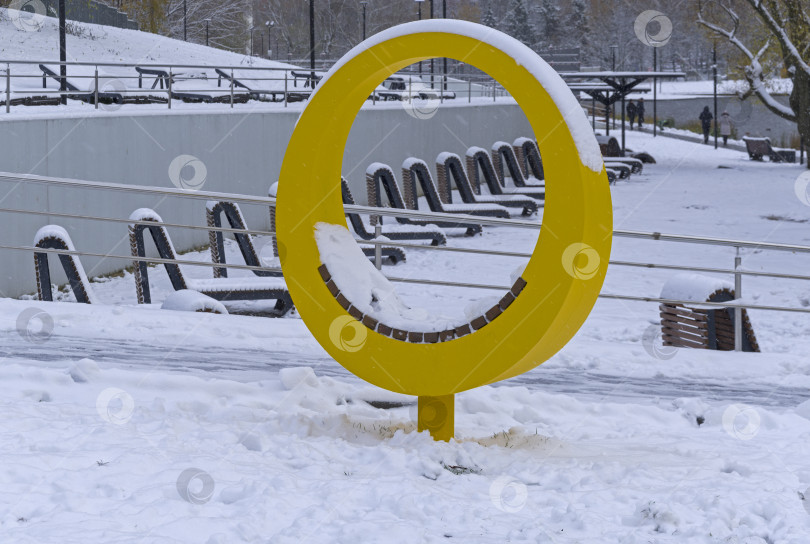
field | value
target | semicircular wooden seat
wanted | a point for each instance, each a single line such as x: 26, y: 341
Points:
x: 450, y: 171
x: 685, y: 326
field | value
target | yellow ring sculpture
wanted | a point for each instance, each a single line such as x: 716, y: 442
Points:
x: 568, y: 264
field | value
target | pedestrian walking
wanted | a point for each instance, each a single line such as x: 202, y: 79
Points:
x: 706, y: 123
x: 631, y: 113
x: 726, y: 126
x: 640, y: 112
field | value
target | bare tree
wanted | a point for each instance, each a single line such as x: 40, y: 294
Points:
x: 786, y: 23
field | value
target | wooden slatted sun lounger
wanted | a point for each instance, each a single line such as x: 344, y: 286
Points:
x: 504, y: 159
x: 222, y: 289
x: 450, y: 171
x: 416, y: 171
x: 381, y: 175
x: 55, y: 237
x: 76, y: 93
x: 390, y: 255
x: 528, y: 156
x: 436, y: 237
x: 479, y: 164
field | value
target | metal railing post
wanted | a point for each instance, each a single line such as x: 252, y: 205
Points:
x: 231, y: 87
x: 95, y: 90
x: 469, y: 90
x: 493, y: 89
x: 738, y: 328
x: 378, y: 246
x: 8, y: 88
x: 169, y: 101
x: 285, y: 87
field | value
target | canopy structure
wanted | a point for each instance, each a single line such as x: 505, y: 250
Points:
x: 615, y: 86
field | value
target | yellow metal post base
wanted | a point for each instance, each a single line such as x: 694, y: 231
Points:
x: 437, y: 415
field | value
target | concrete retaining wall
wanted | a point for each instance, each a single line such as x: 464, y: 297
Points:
x: 242, y: 150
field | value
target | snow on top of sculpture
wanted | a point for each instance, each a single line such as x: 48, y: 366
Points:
x: 566, y: 102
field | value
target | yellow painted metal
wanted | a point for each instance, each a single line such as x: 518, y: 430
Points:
x: 564, y: 275
x: 437, y: 416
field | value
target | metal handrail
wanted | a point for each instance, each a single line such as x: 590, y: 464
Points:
x: 421, y: 281
x: 390, y: 212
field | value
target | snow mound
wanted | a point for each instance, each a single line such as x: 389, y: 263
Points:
x: 366, y: 287
x: 187, y: 300
x: 693, y: 287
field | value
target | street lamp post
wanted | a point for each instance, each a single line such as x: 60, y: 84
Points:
x: 62, y: 53
x: 444, y: 60
x: 206, y: 31
x: 312, y: 37
x: 714, y: 75
x: 419, y: 12
x: 185, y: 22
x: 269, y: 25
x: 364, y: 4
x: 431, y: 60
x: 613, y: 49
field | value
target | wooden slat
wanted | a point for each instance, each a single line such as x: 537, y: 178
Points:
x: 699, y: 315
x: 682, y: 342
x: 686, y: 336
x: 698, y: 331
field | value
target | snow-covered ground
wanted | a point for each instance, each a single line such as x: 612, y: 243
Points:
x: 136, y: 424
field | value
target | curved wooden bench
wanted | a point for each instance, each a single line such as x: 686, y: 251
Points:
x: 682, y: 326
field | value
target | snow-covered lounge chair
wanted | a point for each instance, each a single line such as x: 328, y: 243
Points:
x: 213, y: 215
x: 188, y: 86
x: 450, y: 171
x: 222, y: 289
x: 479, y: 163
x: 381, y: 175
x: 55, y: 237
x: 392, y: 232
x: 504, y: 159
x: 392, y: 255
x: 75, y: 92
x: 682, y: 326
x: 528, y: 156
x: 416, y: 171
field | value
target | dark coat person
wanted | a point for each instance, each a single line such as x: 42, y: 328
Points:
x: 706, y: 123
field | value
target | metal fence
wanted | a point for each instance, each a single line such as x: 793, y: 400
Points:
x: 737, y: 272
x: 119, y: 83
